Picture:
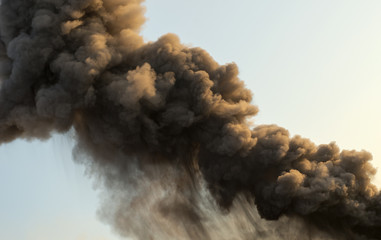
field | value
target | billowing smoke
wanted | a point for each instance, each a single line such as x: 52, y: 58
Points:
x: 164, y: 129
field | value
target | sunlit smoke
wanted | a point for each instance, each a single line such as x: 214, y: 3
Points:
x: 165, y: 129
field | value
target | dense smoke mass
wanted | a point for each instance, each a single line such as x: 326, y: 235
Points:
x: 165, y: 129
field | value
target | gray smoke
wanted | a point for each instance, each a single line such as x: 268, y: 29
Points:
x: 165, y: 129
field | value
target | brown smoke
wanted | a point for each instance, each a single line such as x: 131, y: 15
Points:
x: 164, y: 128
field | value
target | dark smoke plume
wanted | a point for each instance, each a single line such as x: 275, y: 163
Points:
x: 164, y: 128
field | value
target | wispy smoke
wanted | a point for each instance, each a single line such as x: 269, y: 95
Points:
x: 164, y: 128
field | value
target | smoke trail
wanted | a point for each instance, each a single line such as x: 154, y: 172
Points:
x: 164, y: 128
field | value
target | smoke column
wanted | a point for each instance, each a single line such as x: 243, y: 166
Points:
x: 164, y: 129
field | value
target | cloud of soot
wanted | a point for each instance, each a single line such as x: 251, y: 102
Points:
x: 164, y: 127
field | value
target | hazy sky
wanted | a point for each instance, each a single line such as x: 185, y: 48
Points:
x: 314, y: 68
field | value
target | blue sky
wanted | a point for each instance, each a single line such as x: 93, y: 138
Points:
x: 314, y: 68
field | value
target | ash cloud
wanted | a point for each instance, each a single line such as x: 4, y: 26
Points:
x: 165, y: 129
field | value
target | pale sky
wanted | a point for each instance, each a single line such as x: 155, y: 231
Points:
x: 314, y: 68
